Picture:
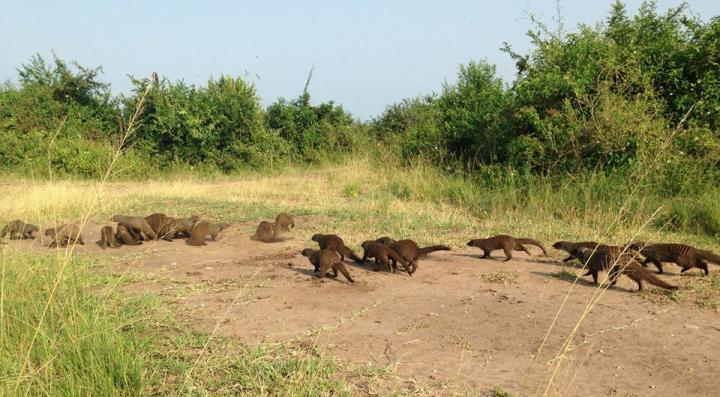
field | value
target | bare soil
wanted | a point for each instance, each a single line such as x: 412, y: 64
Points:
x: 452, y: 328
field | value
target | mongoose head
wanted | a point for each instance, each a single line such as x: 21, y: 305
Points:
x: 115, y: 218
x: 366, y: 243
x: 308, y: 252
x: 472, y: 243
x: 31, y: 231
x: 559, y: 245
x: 50, y: 232
x: 316, y: 237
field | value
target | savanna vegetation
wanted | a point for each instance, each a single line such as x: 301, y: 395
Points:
x: 606, y: 130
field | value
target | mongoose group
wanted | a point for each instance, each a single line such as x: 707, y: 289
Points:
x: 630, y: 259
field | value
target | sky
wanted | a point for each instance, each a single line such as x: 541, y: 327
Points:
x: 366, y: 54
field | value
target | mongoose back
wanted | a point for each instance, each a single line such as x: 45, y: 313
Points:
x: 409, y: 250
x: 335, y: 243
x: 684, y: 255
x: 204, y: 229
x: 107, y: 238
x: 506, y: 243
x: 325, y: 260
x: 265, y: 232
x: 569, y: 246
x: 64, y: 235
x: 384, y: 255
x: 385, y: 240
x: 620, y: 261
x: 123, y: 235
x: 18, y: 230
x: 168, y: 228
x: 137, y: 223
x: 283, y: 223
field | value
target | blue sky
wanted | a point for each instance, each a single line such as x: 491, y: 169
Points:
x: 367, y: 54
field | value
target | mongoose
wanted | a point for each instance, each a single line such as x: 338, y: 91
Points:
x: 124, y: 235
x: 568, y: 247
x: 283, y: 223
x: 409, y: 250
x: 621, y: 261
x: 168, y: 228
x: 18, y: 230
x: 385, y: 240
x: 64, y: 235
x: 383, y: 255
x: 335, y: 243
x: 326, y: 259
x: 506, y: 243
x: 203, y: 229
x: 107, y: 237
x: 137, y: 223
x: 684, y: 255
x: 265, y: 232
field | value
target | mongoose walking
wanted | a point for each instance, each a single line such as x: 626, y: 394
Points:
x: 684, y: 255
x: 107, y: 238
x: 335, y: 243
x: 506, y: 243
x: 568, y: 247
x: 621, y: 261
x: 18, y: 230
x: 324, y: 260
x: 283, y: 223
x: 409, y: 250
x: 204, y: 229
x: 64, y: 235
x: 385, y: 240
x: 137, y: 223
x: 383, y: 255
x: 124, y: 235
x: 265, y: 232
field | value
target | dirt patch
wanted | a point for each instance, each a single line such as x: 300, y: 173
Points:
x: 460, y: 325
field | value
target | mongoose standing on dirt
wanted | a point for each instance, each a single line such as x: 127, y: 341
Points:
x: 505, y: 243
x: 135, y: 223
x: 568, y: 247
x: 620, y: 261
x: 265, y: 232
x: 204, y: 229
x: 335, y: 243
x: 684, y: 255
x: 324, y: 260
x: 18, y: 230
x: 383, y: 255
x: 124, y: 235
x: 107, y: 238
x: 283, y: 223
x: 409, y: 250
x: 64, y: 235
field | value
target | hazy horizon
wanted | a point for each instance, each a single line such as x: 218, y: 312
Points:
x: 366, y: 56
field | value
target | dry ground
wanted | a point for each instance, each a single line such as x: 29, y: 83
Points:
x: 459, y: 326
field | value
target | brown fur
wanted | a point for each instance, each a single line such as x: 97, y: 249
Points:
x: 335, y: 243
x: 383, y: 255
x: 283, y: 223
x: 124, y: 235
x: 325, y: 260
x: 568, y: 247
x: 619, y: 260
x: 17, y: 230
x: 265, y: 232
x: 168, y: 228
x: 504, y: 242
x: 64, y: 235
x: 385, y: 240
x: 137, y: 224
x: 686, y: 256
x: 409, y: 250
x: 204, y: 229
x: 107, y: 238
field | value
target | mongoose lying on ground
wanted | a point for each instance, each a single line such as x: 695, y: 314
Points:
x: 265, y: 232
x: 18, y: 229
x: 107, y: 237
x: 324, y: 260
x: 383, y: 255
x: 409, y: 250
x: 134, y: 223
x: 506, y: 243
x: 620, y: 261
x: 64, y: 235
x: 168, y: 228
x: 204, y: 229
x: 684, y: 255
x: 335, y: 243
x: 124, y: 235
